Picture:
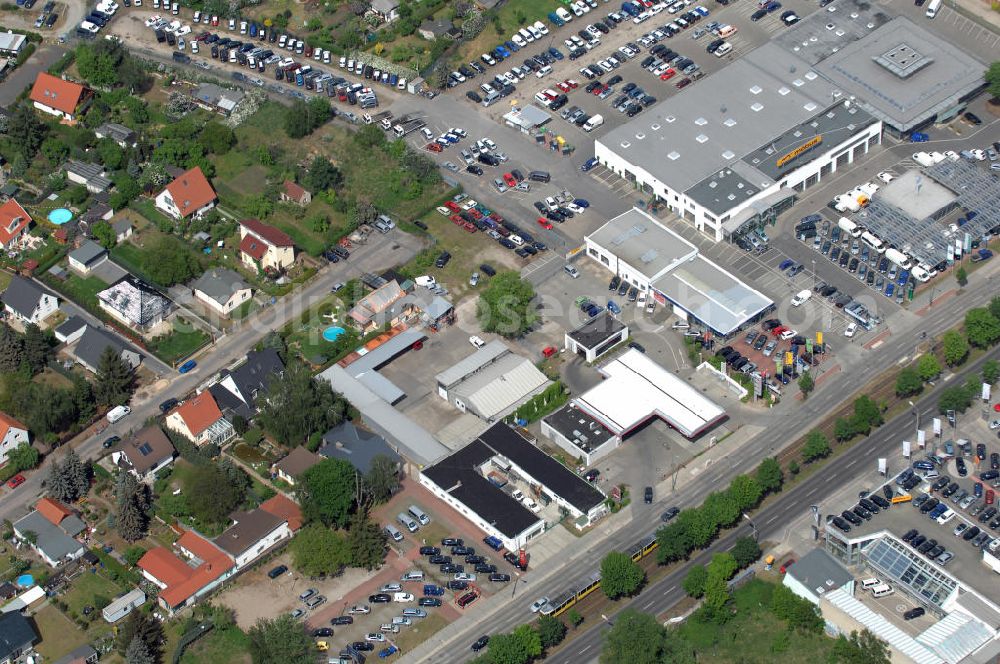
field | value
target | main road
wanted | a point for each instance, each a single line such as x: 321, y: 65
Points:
x: 774, y: 518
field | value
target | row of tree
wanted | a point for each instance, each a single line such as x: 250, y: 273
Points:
x: 524, y: 643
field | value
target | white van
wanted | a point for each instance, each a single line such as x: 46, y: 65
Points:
x: 727, y: 31
x: 947, y: 516
x: 881, y: 590
x: 932, y: 9
x: 564, y: 14
x: 407, y: 522
x: 873, y: 242
x: 419, y: 515
x: 117, y: 413
x: 394, y: 533
x: 723, y: 50
x: 870, y: 583
x: 922, y: 158
x: 593, y: 123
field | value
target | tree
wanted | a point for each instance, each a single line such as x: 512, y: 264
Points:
x: 504, y: 306
x: 23, y: 457
x: 745, y: 552
x: 574, y: 617
x: 143, y: 626
x: 369, y: 136
x: 866, y: 413
x: 769, y: 475
x: 131, y: 519
x: 956, y: 347
x: 113, y: 386
x: 955, y: 398
x: 982, y: 327
x: 11, y: 350
x: 694, y: 582
x: 367, y: 541
x: 168, y: 261
x: 138, y: 653
x: 297, y: 405
x: 723, y: 566
x: 843, y: 429
x: 720, y: 509
x: 962, y: 276
x: 283, y: 639
x: 318, y: 550
x: 551, y: 631
x: 134, y: 554
x: 908, y: 382
x: 323, y: 175
x: 620, y: 575
x: 745, y: 490
x: 806, y: 384
x: 518, y: 647
x: 636, y: 638
x: 382, y: 479
x: 994, y: 306
x: 36, y: 348
x: 57, y: 483
x: 717, y: 596
x: 326, y: 492
x: 217, y: 138
x: 77, y: 473
x: 815, y: 447
x: 860, y: 648
x: 104, y: 234
x: 25, y: 132
x: 68, y: 480
x: 212, y: 494
x: 801, y: 614
x: 928, y: 367
x: 993, y: 80
x: 991, y: 371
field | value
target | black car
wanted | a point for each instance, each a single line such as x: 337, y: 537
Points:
x: 419, y: 224
x: 111, y: 442
x: 451, y: 568
x: 910, y: 534
x: 361, y: 646
x: 480, y: 643
x: 342, y: 620
x: 474, y: 96
x: 615, y: 282
x: 852, y: 517
x: 498, y: 577
x: 485, y: 568
x: 670, y: 514
x: 841, y: 525
x: 458, y: 585
x: 428, y: 601
x: 461, y: 550
x: 972, y: 118
x: 277, y: 571
x: 862, y: 512
x: 475, y: 170
x: 981, y: 450
x: 950, y: 490
x: 757, y: 15
x: 638, y: 346
x: 647, y: 495
x: 322, y: 631
x: 869, y: 505
x: 913, y: 613
x: 917, y: 541
x: 439, y: 560
x: 442, y: 259
x: 489, y: 271
x: 380, y: 598
x: 961, y: 468
x: 474, y: 559
x: 941, y: 483
x: 970, y: 533
x: 927, y: 546
x: 880, y: 501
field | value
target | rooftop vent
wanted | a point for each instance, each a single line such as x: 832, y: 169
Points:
x: 670, y: 118
x: 701, y: 122
x: 655, y: 127
x: 731, y: 197
x: 757, y: 107
x: 649, y: 256
x: 783, y: 91
x: 811, y: 75
x: 674, y: 156
x: 640, y: 136
x: 625, y: 144
x: 797, y: 133
x: 729, y: 122
x: 810, y: 106
x: 701, y: 138
x: 728, y: 154
x: 756, y: 90
x: 713, y: 184
x: 798, y: 82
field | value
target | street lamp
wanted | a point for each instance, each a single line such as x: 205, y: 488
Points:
x: 814, y: 272
x: 752, y: 524
x: 915, y: 412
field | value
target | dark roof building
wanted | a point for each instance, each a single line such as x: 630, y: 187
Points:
x: 17, y: 636
x: 92, y: 343
x: 252, y: 534
x: 144, y: 453
x: 358, y: 446
x: 295, y: 463
x: 28, y: 301
x: 249, y: 381
x: 596, y: 336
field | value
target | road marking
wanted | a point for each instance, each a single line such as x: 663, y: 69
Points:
x: 585, y: 650
x: 648, y: 604
x: 667, y: 591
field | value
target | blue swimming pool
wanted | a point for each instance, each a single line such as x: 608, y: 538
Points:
x: 25, y: 581
x: 60, y: 216
x: 333, y: 333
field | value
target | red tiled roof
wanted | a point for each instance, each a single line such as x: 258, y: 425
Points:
x: 284, y: 508
x: 53, y: 510
x: 57, y: 93
x: 293, y: 190
x: 6, y: 422
x: 13, y: 220
x: 253, y: 247
x: 191, y: 191
x: 269, y: 234
x: 199, y: 412
x: 183, y: 580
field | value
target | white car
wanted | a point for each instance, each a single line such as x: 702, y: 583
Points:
x: 152, y: 19
x: 516, y: 494
x: 197, y: 17
x: 850, y: 329
x: 788, y: 334
x: 89, y: 27
x: 799, y: 298
x: 538, y: 604
x: 519, y: 40
x: 995, y: 424
x: 538, y: 25
x: 886, y: 177
x: 476, y: 341
x: 173, y: 27
x: 360, y: 608
x: 183, y: 30
x: 402, y: 597
x: 463, y: 576
x: 375, y: 637
x: 426, y: 280
x: 533, y: 506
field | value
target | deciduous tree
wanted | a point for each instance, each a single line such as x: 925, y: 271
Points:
x: 991, y: 371
x: 382, y: 479
x: 505, y: 306
x: 982, y: 327
x: 860, y: 648
x: 815, y: 447
x: 928, y: 367
x: 320, y: 550
x: 518, y: 647
x: 211, y: 494
x: 908, y: 382
x: 800, y: 614
x: 955, y: 347
x: 746, y: 491
x: 806, y: 384
x: 745, y: 552
x: 636, y: 638
x: 723, y: 566
x: 620, y: 575
x: 326, y: 492
x: 551, y: 631
x: 283, y: 639
x: 694, y: 582
x: 323, y: 175
x: 769, y: 475
x: 955, y: 398
x: 297, y: 405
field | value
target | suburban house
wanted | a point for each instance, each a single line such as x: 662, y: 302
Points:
x: 238, y: 389
x: 14, y: 222
x: 54, y: 526
x: 296, y: 462
x: 263, y: 246
x: 385, y: 305
x: 144, y: 453
x: 359, y: 447
x: 12, y: 434
x: 97, y: 212
x: 91, y: 342
x: 85, y: 654
x: 118, y: 133
x: 193, y: 569
x: 285, y: 508
x: 190, y: 194
x: 28, y: 302
x: 11, y: 44
x: 251, y: 534
x: 17, y: 638
x: 57, y: 96
x: 134, y: 302
x: 216, y: 99
x: 222, y: 290
x: 386, y: 10
x: 433, y: 29
x: 123, y: 229
x: 199, y: 420
x: 92, y: 176
x: 87, y: 256
x: 294, y: 193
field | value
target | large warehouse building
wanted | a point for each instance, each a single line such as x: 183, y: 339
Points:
x: 655, y: 259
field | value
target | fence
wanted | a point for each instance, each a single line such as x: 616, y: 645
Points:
x: 734, y: 387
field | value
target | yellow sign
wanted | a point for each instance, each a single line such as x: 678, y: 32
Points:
x: 808, y: 145
x: 819, y: 338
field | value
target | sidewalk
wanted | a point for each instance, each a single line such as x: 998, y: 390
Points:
x: 978, y: 11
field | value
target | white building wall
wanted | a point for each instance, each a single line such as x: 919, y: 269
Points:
x: 589, y: 458
x: 263, y: 545
x: 11, y: 440
x: 796, y: 587
x: 165, y: 204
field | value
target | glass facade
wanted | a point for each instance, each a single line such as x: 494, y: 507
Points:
x: 908, y: 571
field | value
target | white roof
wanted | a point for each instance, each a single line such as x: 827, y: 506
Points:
x: 637, y: 388
x: 882, y: 628
x: 499, y: 388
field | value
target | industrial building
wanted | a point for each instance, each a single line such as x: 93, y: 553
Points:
x: 596, y: 336
x: 647, y: 254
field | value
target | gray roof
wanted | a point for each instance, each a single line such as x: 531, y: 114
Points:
x: 115, y: 131
x: 500, y: 387
x: 81, y: 654
x: 121, y: 226
x: 11, y: 41
x: 819, y: 572
x: 384, y: 6
x: 23, y: 295
x: 214, y: 95
x: 411, y: 439
x: 903, y: 74
x: 220, y: 284
x: 356, y: 445
x: 52, y: 539
x: 249, y: 529
x: 597, y: 330
x: 813, y: 41
x: 529, y: 116
x: 684, y: 139
x: 468, y: 365
x: 16, y: 634
x: 93, y: 173
x: 365, y: 368
x: 88, y: 252
x: 253, y: 377
x: 71, y: 325
x: 92, y: 344
x: 632, y: 237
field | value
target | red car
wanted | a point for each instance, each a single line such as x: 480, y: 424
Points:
x: 599, y: 90
x: 549, y: 351
x: 785, y: 565
x: 433, y: 147
x: 15, y: 481
x: 469, y: 226
x: 667, y: 75
x: 453, y: 206
x: 777, y: 331
x: 683, y: 83
x: 573, y: 85
x: 563, y: 86
x: 510, y: 180
x: 545, y: 223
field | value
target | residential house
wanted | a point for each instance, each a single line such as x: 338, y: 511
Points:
x: 54, y: 526
x: 357, y: 446
x: 91, y: 343
x: 189, y: 195
x: 12, y: 434
x: 144, y: 453
x: 265, y: 247
x: 222, y: 290
x: 238, y: 389
x: 383, y: 306
x: 28, y: 302
x: 296, y: 462
x: 294, y: 193
x: 57, y: 96
x: 92, y: 176
x: 97, y: 212
x: 386, y: 10
x: 85, y: 654
x: 118, y: 133
x: 433, y: 29
x: 194, y: 568
x: 199, y: 420
x: 134, y: 302
x: 283, y: 507
x: 251, y: 535
x: 213, y: 98
x: 11, y: 43
x: 123, y: 229
x: 14, y: 222
x: 87, y: 256
x: 17, y: 638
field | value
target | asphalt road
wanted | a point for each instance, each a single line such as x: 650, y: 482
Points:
x: 773, y: 519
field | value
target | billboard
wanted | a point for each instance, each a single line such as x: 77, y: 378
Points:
x: 792, y: 154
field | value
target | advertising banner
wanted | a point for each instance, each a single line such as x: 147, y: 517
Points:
x: 906, y: 449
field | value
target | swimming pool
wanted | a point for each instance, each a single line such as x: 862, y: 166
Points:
x: 25, y: 581
x: 332, y: 333
x: 60, y: 216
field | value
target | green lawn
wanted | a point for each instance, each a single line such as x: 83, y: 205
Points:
x: 86, y: 587
x: 220, y: 646
x: 59, y: 635
x: 514, y: 14
x: 147, y: 209
x: 180, y: 343
x: 83, y: 290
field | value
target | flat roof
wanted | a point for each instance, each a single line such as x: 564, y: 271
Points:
x: 472, y: 363
x: 597, y: 330
x: 685, y: 138
x: 903, y: 91
x: 635, y: 238
x: 822, y: 33
x: 636, y: 389
x: 819, y: 572
x: 579, y: 427
x: 916, y: 194
x: 365, y: 368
